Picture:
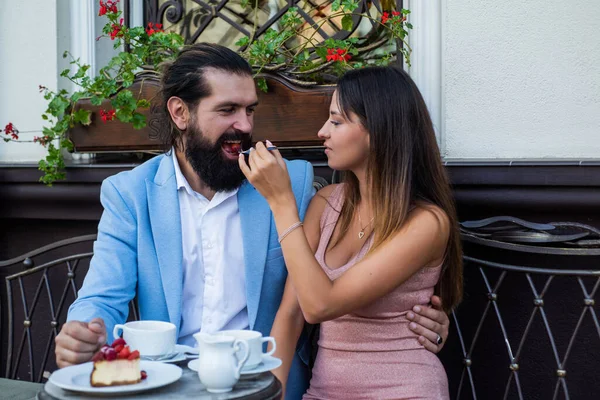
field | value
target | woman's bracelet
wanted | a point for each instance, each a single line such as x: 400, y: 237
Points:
x: 289, y: 230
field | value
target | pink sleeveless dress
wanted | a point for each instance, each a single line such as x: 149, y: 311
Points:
x: 371, y: 353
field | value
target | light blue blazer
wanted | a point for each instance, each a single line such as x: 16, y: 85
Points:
x: 139, y: 251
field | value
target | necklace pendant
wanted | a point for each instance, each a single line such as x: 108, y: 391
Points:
x: 361, y: 234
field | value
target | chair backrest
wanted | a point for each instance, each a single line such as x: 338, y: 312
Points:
x: 39, y: 288
x: 527, y: 327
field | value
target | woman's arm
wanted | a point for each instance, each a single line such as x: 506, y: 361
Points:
x: 289, y: 320
x: 286, y: 330
x: 420, y: 243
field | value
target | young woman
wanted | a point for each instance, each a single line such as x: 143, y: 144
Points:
x: 372, y: 247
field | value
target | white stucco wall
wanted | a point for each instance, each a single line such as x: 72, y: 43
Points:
x: 32, y: 55
x: 27, y: 59
x: 521, y: 79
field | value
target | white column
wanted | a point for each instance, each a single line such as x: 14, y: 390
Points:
x: 137, y: 12
x: 426, y: 60
x: 82, y: 32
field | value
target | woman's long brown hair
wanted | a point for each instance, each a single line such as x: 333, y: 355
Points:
x: 404, y: 164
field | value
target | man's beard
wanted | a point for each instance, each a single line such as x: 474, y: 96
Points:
x: 209, y: 162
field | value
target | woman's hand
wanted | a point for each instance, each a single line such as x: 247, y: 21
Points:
x: 267, y: 172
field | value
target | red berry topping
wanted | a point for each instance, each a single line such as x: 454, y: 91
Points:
x: 99, y: 356
x: 144, y: 375
x: 104, y: 349
x: 118, y: 348
x: 110, y: 354
x: 124, y: 353
x: 118, y: 342
x: 134, y: 354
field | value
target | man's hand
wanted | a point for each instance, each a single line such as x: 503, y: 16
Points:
x: 78, y: 341
x: 428, y: 323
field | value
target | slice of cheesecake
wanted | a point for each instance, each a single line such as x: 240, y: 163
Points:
x: 116, y: 365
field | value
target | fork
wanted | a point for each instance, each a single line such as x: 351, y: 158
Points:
x: 162, y: 357
x: 250, y: 149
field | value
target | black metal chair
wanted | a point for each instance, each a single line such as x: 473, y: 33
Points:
x: 527, y: 327
x: 39, y: 288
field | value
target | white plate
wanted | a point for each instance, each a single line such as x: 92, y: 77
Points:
x: 268, y: 363
x: 77, y: 378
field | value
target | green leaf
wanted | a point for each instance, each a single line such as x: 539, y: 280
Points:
x: 262, y: 84
x: 347, y: 22
x: 243, y: 41
x: 409, y: 25
x: 244, y: 3
x: 95, y: 100
x: 82, y: 116
x: 349, y: 5
x: 65, y: 72
x: 128, y: 78
x: 58, y: 105
x: 81, y: 72
x: 123, y: 115
x: 66, y: 144
x: 335, y: 6
x: 143, y: 103
x: 44, y: 117
x: 138, y: 120
x: 76, y: 96
x: 321, y: 52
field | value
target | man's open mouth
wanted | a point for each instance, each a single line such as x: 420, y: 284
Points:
x: 232, y: 147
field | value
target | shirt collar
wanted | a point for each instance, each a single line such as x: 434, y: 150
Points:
x: 183, y: 183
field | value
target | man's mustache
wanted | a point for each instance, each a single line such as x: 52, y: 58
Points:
x: 233, y: 136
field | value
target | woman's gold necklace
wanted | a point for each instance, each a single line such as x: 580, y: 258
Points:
x: 361, y: 233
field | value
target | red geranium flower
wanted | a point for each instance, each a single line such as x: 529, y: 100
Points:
x: 338, y: 55
x: 42, y: 140
x: 107, y: 115
x: 108, y: 6
x: 385, y: 17
x: 153, y: 28
x: 10, y: 130
x: 116, y: 30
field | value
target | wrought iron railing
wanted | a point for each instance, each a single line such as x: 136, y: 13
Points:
x: 520, y: 328
x: 226, y: 21
x: 39, y: 289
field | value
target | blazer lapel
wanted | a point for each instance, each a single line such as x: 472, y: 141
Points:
x: 165, y: 220
x: 255, y: 216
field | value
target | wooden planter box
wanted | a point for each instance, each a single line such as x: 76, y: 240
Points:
x: 289, y: 116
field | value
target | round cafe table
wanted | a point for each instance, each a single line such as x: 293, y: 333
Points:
x: 263, y: 386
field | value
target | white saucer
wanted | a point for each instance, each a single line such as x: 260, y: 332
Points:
x: 77, y: 378
x: 268, y: 363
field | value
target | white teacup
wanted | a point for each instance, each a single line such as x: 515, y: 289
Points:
x: 150, y: 338
x: 255, y: 342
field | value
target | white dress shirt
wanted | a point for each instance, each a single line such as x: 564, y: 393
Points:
x: 214, y: 279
